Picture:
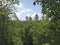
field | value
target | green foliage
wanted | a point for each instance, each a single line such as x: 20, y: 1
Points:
x: 5, y: 11
x: 33, y: 33
x: 51, y: 8
x: 44, y: 32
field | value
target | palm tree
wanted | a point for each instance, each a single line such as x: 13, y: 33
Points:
x: 36, y: 17
x: 26, y: 18
x: 30, y: 19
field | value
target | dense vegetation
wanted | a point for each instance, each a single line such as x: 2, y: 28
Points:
x: 29, y: 32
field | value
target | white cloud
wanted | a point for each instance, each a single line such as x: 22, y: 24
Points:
x: 33, y: 14
x: 25, y: 10
x: 18, y: 14
x: 19, y: 6
x: 22, y: 11
x: 28, y: 15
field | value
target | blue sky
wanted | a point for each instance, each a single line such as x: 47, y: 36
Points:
x: 26, y: 8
